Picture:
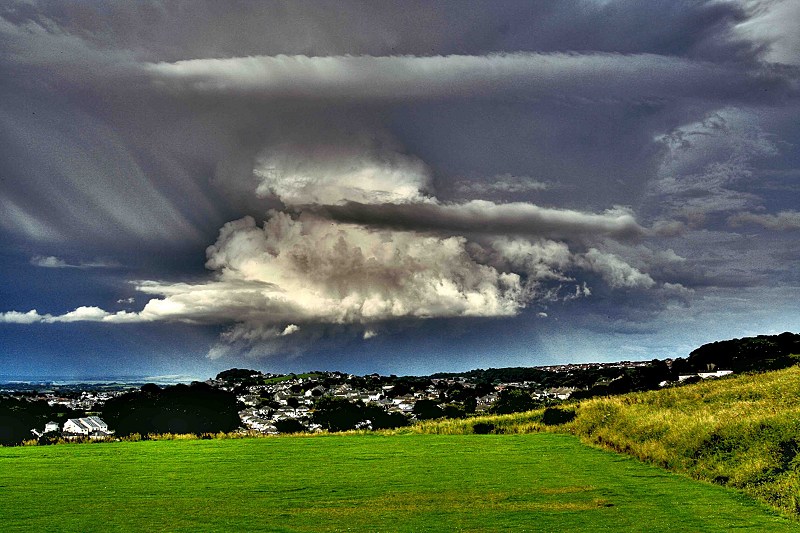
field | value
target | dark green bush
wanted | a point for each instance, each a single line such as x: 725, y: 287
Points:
x: 554, y: 416
x: 483, y: 428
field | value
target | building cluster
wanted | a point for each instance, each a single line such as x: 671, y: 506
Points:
x: 90, y: 427
x: 571, y: 367
x: 294, y: 398
x: 86, y: 401
x: 76, y: 397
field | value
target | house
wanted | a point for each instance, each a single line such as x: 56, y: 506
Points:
x: 717, y: 374
x: 281, y: 397
x: 251, y: 400
x: 92, y: 426
x: 319, y: 390
x: 706, y: 375
x: 48, y: 428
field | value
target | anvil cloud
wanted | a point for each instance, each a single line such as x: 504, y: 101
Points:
x: 394, y: 188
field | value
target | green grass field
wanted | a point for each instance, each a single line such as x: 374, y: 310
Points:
x: 537, y: 482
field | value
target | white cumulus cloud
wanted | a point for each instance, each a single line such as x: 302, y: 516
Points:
x: 16, y: 317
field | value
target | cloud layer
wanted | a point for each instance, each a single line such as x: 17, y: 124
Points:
x: 366, y: 165
x: 519, y: 75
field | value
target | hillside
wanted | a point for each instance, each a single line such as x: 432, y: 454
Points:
x: 749, y: 354
x: 741, y: 431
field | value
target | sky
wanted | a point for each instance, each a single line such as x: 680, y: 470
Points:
x: 401, y: 188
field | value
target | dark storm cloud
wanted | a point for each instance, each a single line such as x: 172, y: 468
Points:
x: 482, y: 217
x: 184, y: 29
x: 144, y: 163
x: 135, y: 131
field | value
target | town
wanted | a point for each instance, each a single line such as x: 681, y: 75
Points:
x: 269, y: 404
x: 294, y: 397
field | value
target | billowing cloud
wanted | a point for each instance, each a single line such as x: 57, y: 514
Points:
x: 271, y: 280
x: 616, y: 272
x: 291, y: 328
x: 363, y: 170
x: 345, y: 273
x: 81, y: 314
x: 15, y: 317
x: 540, y: 260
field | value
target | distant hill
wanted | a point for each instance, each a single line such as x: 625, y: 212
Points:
x: 761, y: 353
x: 749, y: 354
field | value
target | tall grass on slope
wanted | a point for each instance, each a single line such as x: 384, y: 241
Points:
x: 515, y: 423
x: 742, y: 431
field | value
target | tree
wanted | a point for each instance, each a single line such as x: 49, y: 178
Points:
x: 289, y: 425
x: 51, y: 437
x: 453, y: 411
x: 760, y: 353
x: 242, y: 376
x: 457, y: 393
x: 196, y: 408
x: 293, y: 402
x: 399, y: 389
x: 470, y: 405
x: 513, y: 401
x: 382, y: 419
x: 427, y: 410
x: 337, y: 414
x: 18, y: 418
x: 554, y: 416
x: 483, y: 388
x: 150, y: 388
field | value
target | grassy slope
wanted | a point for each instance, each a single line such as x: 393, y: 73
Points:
x: 541, y: 482
x: 742, y: 431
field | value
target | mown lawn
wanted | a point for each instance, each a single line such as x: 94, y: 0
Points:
x: 538, y: 482
x: 741, y: 431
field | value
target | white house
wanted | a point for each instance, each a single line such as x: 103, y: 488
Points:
x: 717, y: 374
x: 91, y: 426
x: 49, y: 427
x: 706, y: 375
x: 320, y: 390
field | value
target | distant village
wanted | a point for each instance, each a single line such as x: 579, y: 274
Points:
x: 254, y: 402
x: 294, y: 398
x: 268, y: 399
